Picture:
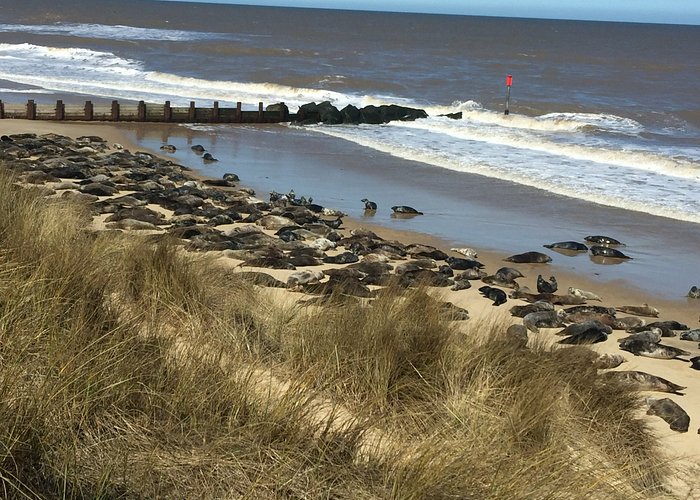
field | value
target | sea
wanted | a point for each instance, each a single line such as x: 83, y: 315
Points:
x: 602, y: 134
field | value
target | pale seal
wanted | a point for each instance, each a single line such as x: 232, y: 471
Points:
x: 544, y: 319
x: 642, y: 381
x: 643, y: 310
x: 577, y: 292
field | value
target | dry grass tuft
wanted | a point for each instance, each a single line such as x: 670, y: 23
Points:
x: 130, y: 369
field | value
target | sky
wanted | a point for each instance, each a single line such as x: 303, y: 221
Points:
x: 643, y: 11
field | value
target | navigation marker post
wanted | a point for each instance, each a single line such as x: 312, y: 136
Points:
x: 509, y: 82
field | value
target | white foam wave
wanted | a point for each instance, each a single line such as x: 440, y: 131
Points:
x: 112, y: 32
x: 525, y: 140
x: 620, y: 187
x: 25, y: 91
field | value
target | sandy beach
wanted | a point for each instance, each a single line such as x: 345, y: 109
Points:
x: 683, y: 449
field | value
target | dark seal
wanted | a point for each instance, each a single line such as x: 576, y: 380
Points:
x: 599, y: 251
x: 572, y: 246
x: 529, y: 258
x: 603, y: 240
x: 369, y: 205
x: 498, y: 296
x: 405, y: 210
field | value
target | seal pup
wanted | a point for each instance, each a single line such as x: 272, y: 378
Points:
x: 577, y: 292
x: 603, y: 240
x: 607, y: 361
x: 643, y: 310
x: 572, y: 246
x: 642, y: 381
x: 529, y: 258
x: 370, y: 206
x: 498, y: 296
x: 671, y: 412
x: 544, y: 286
x: 544, y: 319
x: 599, y: 251
x: 692, y: 335
x: 651, y: 349
x: 694, y: 293
x: 469, y: 253
x: 405, y: 210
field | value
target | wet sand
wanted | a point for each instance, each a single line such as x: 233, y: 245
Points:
x: 258, y: 161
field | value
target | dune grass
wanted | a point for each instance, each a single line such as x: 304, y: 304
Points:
x: 130, y: 369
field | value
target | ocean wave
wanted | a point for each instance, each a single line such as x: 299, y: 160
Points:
x: 26, y: 91
x: 113, y: 32
x: 621, y: 187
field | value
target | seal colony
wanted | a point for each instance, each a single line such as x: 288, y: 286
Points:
x: 269, y: 240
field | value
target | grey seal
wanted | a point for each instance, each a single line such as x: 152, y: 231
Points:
x: 583, y: 293
x: 498, y: 296
x: 518, y: 335
x: 508, y: 273
x: 607, y: 361
x: 370, y: 206
x: 590, y: 336
x: 599, y: 251
x: 529, y: 258
x: 576, y: 328
x: 651, y: 335
x: 405, y: 210
x: 694, y: 293
x: 572, y: 246
x: 544, y: 319
x: 671, y: 412
x: 522, y: 311
x: 546, y: 286
x: 603, y: 240
x: 643, y: 310
x: 693, y: 335
x: 642, y: 381
x: 651, y: 349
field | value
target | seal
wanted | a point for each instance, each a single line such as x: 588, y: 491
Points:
x: 603, y: 240
x: 607, y: 361
x: 498, y: 281
x: 405, y: 210
x: 517, y: 334
x: 544, y: 319
x: 599, y: 251
x: 671, y: 412
x: 198, y: 148
x: 577, y: 292
x: 498, y: 296
x: 643, y: 310
x: 459, y: 264
x: 546, y: 286
x: 651, y: 335
x: 529, y: 258
x: 522, y: 311
x: 694, y: 293
x: 642, y: 381
x: 695, y: 362
x: 577, y: 328
x: 469, y: 253
x: 208, y: 157
x: 508, y: 274
x: 590, y: 336
x: 693, y: 335
x: 168, y: 148
x: 572, y: 246
x: 370, y: 206
x: 651, y: 349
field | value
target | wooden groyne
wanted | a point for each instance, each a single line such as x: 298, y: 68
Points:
x: 144, y: 112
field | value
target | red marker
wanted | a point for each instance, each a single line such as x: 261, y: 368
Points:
x: 509, y: 82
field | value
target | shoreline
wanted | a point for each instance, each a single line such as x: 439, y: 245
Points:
x: 684, y: 447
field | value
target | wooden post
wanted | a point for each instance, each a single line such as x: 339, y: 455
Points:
x: 238, y: 117
x: 2, y: 110
x: 167, y: 112
x: 89, y: 111
x: 115, y: 111
x: 215, y: 115
x: 31, y: 110
x: 283, y: 114
x: 261, y: 113
x: 141, y: 111
x: 192, y: 113
x: 60, y: 110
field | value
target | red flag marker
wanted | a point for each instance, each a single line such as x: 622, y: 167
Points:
x: 509, y: 82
